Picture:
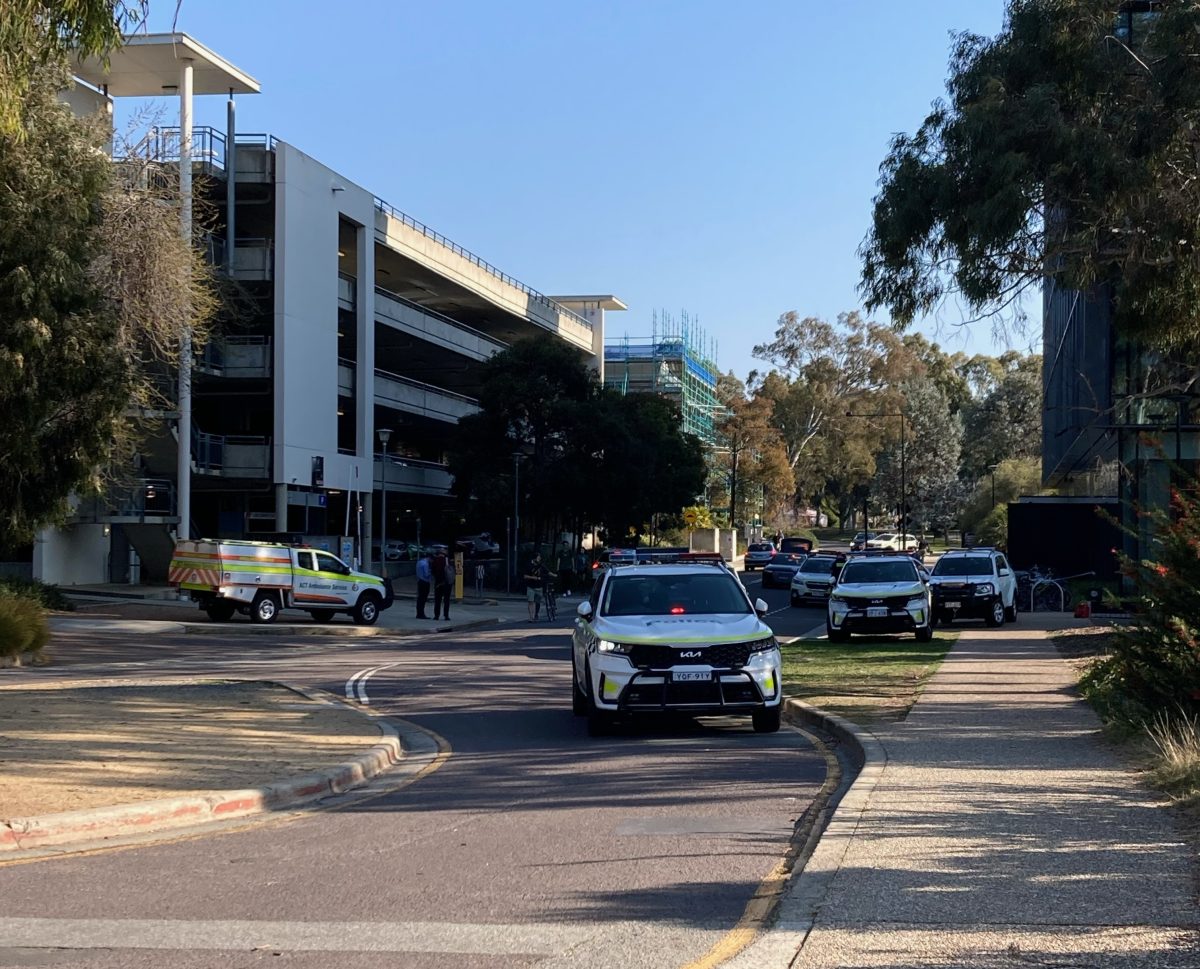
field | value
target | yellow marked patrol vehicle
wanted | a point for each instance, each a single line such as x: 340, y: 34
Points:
x: 680, y: 638
x: 260, y: 578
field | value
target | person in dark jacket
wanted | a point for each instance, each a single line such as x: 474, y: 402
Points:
x: 443, y: 575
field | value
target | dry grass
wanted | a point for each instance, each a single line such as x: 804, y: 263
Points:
x: 1175, y: 753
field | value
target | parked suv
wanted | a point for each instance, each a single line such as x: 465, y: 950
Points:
x: 974, y: 583
x: 813, y: 580
x: 673, y: 638
x: 879, y: 594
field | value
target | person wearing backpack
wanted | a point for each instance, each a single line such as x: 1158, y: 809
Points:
x: 443, y: 578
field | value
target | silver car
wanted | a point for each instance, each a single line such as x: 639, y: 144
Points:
x: 674, y: 638
x: 813, y: 580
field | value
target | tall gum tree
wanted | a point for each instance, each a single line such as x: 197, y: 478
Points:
x: 1066, y: 147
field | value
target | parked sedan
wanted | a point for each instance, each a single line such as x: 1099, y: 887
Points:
x: 758, y: 555
x: 778, y: 573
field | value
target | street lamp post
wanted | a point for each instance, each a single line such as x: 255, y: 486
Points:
x: 516, y: 544
x: 992, y: 471
x: 385, y: 434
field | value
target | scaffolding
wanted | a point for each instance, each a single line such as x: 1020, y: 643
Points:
x: 678, y: 361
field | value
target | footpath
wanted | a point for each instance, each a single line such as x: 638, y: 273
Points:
x: 993, y: 828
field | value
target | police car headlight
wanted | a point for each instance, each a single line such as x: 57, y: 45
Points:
x: 607, y: 646
x: 916, y: 602
x: 986, y: 589
x: 762, y: 645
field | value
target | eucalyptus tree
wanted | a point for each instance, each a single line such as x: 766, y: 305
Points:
x: 1067, y: 148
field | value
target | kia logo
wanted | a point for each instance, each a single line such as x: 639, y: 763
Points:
x: 692, y: 654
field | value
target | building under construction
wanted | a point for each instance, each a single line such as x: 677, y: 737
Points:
x: 678, y: 361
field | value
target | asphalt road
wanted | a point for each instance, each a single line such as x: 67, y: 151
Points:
x: 787, y: 620
x: 529, y: 844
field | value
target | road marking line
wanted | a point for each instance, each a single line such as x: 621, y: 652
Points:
x: 767, y: 896
x: 431, y: 937
x: 350, y: 684
x: 356, y: 686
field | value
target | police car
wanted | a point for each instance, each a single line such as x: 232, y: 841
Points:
x: 879, y: 594
x: 683, y: 638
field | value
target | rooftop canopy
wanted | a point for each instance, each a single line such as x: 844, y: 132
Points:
x: 148, y: 66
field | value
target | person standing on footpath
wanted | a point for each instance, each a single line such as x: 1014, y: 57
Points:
x: 424, y: 577
x: 443, y: 576
x: 480, y: 572
x: 536, y: 578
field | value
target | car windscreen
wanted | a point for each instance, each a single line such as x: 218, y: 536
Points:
x: 818, y: 565
x: 963, y: 565
x: 646, y: 594
x: 879, y: 572
x: 760, y: 547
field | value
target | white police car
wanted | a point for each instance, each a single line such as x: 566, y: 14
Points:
x: 879, y: 594
x: 674, y: 638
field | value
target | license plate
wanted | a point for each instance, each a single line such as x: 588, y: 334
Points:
x: 691, y: 677
x: 877, y: 612
x: 820, y: 592
x: 952, y: 605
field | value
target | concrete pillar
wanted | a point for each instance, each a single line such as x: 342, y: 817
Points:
x: 281, y: 507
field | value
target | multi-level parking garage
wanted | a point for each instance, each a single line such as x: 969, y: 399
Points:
x: 347, y: 317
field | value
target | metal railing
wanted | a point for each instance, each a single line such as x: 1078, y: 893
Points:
x: 163, y: 144
x: 427, y: 388
x: 141, y: 498
x: 434, y: 314
x: 483, y: 264
x: 211, y: 453
x: 237, y: 356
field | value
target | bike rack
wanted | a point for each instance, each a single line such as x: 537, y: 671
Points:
x: 1057, y: 583
x: 1062, y: 593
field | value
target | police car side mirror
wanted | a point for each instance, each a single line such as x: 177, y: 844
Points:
x: 584, y: 610
x: 1006, y: 571
x: 761, y: 607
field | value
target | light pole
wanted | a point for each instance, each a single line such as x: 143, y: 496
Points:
x: 517, y: 455
x: 385, y: 434
x: 992, y: 471
x: 903, y: 472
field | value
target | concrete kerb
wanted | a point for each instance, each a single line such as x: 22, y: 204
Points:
x: 802, y: 899
x: 164, y: 814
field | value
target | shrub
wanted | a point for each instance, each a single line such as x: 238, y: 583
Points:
x: 1155, y: 663
x: 23, y: 627
x: 46, y: 595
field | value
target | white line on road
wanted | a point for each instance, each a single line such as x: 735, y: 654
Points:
x: 447, y: 937
x: 356, y: 686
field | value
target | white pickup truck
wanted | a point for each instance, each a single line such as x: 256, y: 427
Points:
x: 260, y: 578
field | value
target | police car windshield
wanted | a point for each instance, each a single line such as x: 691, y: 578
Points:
x: 817, y: 565
x: 647, y: 594
x: 963, y: 565
x: 879, y: 572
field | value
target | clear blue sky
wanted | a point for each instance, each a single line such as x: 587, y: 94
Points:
x: 698, y: 156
